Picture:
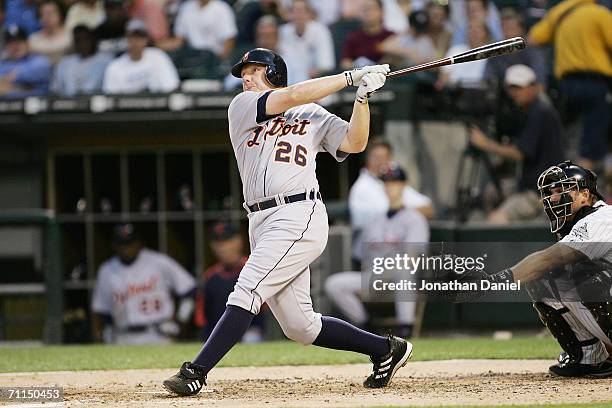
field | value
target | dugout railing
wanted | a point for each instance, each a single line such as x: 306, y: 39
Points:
x: 51, y: 285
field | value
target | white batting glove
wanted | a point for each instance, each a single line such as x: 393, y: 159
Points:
x: 354, y: 77
x: 370, y: 84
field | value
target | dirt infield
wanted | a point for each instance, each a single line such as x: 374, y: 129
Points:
x: 420, y: 383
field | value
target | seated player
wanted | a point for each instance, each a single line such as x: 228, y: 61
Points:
x: 398, y: 225
x: 133, y: 300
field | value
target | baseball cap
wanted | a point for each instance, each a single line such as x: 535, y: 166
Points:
x: 14, y: 32
x: 222, y: 231
x: 394, y: 173
x: 136, y: 27
x: 124, y: 233
x: 520, y: 75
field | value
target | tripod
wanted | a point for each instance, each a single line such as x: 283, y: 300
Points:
x: 469, y: 189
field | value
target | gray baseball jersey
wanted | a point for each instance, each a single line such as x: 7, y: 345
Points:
x: 276, y: 154
x: 140, y: 294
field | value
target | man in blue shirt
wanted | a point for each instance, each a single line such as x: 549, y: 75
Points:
x: 21, y: 72
x: 23, y: 14
x: 83, y: 71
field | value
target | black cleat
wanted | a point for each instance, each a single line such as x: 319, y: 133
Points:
x: 386, y: 366
x: 571, y: 369
x: 188, y: 381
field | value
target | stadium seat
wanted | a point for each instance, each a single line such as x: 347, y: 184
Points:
x: 339, y: 31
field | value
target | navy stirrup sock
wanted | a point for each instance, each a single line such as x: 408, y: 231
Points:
x: 227, y: 332
x: 340, y: 335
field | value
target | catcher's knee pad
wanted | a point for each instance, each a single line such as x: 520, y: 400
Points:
x: 602, y: 313
x: 562, y: 331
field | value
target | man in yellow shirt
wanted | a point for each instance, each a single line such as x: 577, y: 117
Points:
x: 581, y: 33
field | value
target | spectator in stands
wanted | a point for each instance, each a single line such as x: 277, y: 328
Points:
x: 395, y: 12
x: 22, y: 73
x: 204, y: 25
x: 413, y: 47
x: 367, y: 198
x: 111, y: 33
x: 152, y: 14
x: 581, y: 34
x: 438, y: 27
x: 465, y: 12
x: 83, y: 71
x: 249, y: 13
x: 310, y: 40
x: 134, y: 298
x: 469, y: 74
x: 219, y: 280
x: 539, y: 145
x: 52, y: 41
x: 362, y: 47
x: 22, y: 13
x: 513, y: 26
x: 89, y: 13
x: 399, y: 227
x: 141, y: 68
x: 326, y: 12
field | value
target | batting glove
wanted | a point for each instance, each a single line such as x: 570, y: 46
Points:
x: 354, y: 77
x: 369, y: 84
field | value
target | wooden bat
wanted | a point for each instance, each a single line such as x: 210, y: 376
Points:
x: 496, y: 49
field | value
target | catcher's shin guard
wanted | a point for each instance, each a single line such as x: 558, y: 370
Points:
x: 561, y: 330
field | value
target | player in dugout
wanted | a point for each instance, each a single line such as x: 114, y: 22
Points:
x: 133, y: 300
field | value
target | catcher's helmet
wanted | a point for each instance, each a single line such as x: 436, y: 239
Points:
x: 276, y: 69
x: 557, y: 181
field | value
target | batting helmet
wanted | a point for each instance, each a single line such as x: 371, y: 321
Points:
x: 558, y: 181
x: 276, y: 69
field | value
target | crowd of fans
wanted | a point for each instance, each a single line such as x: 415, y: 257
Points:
x: 73, y: 47
x: 49, y: 45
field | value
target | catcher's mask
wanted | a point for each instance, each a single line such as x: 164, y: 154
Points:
x: 554, y: 185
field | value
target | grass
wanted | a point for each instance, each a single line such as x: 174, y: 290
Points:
x: 103, y: 357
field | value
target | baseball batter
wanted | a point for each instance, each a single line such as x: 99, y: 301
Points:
x: 276, y: 132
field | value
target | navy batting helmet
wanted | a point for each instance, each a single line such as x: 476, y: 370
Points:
x: 276, y: 69
x: 557, y: 181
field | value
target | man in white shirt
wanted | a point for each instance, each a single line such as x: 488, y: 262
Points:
x: 141, y: 68
x: 204, y: 25
x: 310, y: 41
x: 393, y: 229
x: 367, y: 198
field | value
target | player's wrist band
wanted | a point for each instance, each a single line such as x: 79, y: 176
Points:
x: 348, y: 77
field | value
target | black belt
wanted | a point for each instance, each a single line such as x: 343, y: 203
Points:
x: 137, y: 329
x: 271, y: 203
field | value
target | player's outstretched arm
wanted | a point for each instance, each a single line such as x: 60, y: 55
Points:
x: 313, y: 90
x: 356, y: 138
x: 535, y: 265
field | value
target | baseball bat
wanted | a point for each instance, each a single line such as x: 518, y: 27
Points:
x: 495, y: 49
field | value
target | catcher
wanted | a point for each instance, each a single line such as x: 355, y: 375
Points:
x: 570, y: 282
